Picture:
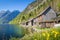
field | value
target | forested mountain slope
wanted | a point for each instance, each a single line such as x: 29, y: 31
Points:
x: 34, y: 9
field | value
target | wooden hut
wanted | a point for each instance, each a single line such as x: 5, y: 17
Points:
x: 45, y: 19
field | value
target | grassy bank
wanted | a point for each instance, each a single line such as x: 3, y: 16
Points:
x: 52, y: 34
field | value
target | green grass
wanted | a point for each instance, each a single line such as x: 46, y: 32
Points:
x: 52, y: 34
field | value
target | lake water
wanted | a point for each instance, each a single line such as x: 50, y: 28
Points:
x: 9, y: 30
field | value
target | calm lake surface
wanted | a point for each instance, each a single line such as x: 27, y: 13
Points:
x: 9, y: 30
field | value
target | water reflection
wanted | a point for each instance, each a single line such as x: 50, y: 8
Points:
x: 10, y: 30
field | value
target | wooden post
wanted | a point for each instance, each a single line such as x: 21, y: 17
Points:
x: 32, y: 22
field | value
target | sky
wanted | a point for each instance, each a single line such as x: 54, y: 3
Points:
x: 14, y: 4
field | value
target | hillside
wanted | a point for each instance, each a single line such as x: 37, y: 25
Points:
x: 35, y: 8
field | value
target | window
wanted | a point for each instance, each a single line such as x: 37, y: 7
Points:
x: 59, y: 21
x: 26, y: 23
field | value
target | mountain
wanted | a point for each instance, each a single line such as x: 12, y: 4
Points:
x: 35, y: 8
x: 8, y: 16
x: 5, y: 13
x: 2, y: 13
